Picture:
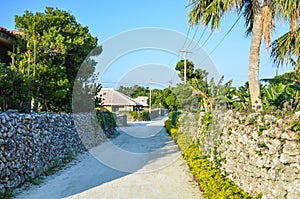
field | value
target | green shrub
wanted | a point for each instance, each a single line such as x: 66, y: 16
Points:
x: 106, y: 120
x: 210, y: 179
x: 168, y: 125
x: 171, y: 129
x: 140, y: 115
x: 174, y: 116
x: 173, y: 132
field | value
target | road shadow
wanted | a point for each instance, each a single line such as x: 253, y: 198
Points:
x: 118, y: 157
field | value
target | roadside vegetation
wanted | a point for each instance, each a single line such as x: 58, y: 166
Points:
x: 279, y: 97
x: 210, y: 179
x: 47, y: 56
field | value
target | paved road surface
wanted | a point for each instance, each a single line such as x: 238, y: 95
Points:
x: 142, y: 162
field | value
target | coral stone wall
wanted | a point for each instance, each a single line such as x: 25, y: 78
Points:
x: 261, y: 153
x: 33, y: 143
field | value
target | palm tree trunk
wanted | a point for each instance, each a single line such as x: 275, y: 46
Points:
x: 254, y: 60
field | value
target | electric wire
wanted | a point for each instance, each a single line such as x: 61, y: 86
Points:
x: 201, y: 36
x: 223, y: 38
x: 186, y: 37
x: 193, y: 37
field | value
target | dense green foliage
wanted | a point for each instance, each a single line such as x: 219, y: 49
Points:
x: 283, y: 92
x: 106, y: 120
x: 170, y: 124
x: 169, y: 100
x: 15, y: 89
x: 48, y: 55
x: 174, y: 116
x: 189, y: 69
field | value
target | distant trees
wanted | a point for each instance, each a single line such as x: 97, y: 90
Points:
x: 134, y: 91
x: 159, y: 98
x: 48, y: 55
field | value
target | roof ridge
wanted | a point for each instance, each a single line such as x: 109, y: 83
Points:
x: 11, y: 33
x: 119, y: 95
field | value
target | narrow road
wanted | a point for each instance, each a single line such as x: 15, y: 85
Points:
x: 142, y: 162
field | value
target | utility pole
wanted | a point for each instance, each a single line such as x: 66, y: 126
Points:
x: 150, y: 96
x: 184, y: 51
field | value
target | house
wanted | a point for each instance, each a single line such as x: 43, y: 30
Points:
x: 143, y: 100
x: 7, y: 40
x: 115, y: 101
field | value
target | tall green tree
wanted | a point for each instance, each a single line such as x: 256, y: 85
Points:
x: 189, y: 69
x: 259, y: 16
x: 169, y: 100
x: 50, y: 50
x: 191, y: 72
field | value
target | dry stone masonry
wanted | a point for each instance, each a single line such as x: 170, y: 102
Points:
x: 33, y: 143
x: 260, y: 153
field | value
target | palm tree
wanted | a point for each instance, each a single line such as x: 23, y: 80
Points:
x: 286, y: 49
x: 259, y: 16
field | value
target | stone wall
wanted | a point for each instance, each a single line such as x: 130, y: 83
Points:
x: 33, y: 143
x: 157, y: 113
x: 260, y: 153
x: 121, y: 120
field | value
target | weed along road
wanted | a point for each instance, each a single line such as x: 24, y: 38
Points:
x: 142, y: 162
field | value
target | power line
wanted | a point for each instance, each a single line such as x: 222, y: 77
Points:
x: 193, y: 37
x: 200, y: 47
x: 200, y: 38
x: 227, y: 33
x: 186, y: 37
x: 206, y: 39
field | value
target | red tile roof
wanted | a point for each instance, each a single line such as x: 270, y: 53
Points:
x: 12, y: 33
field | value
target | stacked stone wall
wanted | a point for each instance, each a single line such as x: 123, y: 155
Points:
x: 31, y: 144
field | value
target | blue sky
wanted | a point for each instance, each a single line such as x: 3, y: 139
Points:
x: 107, y: 19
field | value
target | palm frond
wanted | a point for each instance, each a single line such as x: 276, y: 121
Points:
x: 288, y: 10
x: 285, y: 49
x: 248, y: 15
x: 208, y: 13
